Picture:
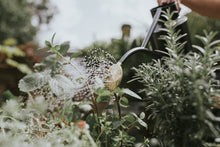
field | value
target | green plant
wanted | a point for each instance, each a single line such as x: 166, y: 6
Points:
x: 9, y: 51
x: 201, y: 23
x: 56, y: 106
x: 16, y: 21
x: 180, y: 91
x: 17, y: 18
x: 114, y: 126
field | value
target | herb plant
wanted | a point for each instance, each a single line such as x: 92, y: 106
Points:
x: 181, y: 91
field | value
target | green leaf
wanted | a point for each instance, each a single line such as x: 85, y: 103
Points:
x: 103, y: 95
x: 110, y: 107
x: 142, y: 123
x: 131, y: 93
x: 124, y: 102
x: 74, y: 55
x: 7, y: 95
x: 48, y: 44
x: 199, y: 49
x: 216, y: 42
x: 117, y: 123
x: 142, y: 115
x: 124, y: 99
x: 102, y: 91
x: 80, y: 80
x: 34, y: 81
x: 62, y: 87
x: 123, y: 105
x: 102, y: 98
x: 56, y: 48
x: 135, y: 115
x: 64, y: 47
x: 99, y: 91
x: 129, y: 118
x: 117, y: 90
x: 52, y: 40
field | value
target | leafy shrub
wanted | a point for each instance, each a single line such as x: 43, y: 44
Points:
x: 64, y: 104
x: 180, y: 91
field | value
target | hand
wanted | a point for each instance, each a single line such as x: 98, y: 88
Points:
x: 161, y: 2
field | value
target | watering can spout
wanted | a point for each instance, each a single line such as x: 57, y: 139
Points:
x: 115, y: 72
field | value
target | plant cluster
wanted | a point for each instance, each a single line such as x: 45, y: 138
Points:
x: 182, y: 90
x: 64, y: 104
x: 8, y: 53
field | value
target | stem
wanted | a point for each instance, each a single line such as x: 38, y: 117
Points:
x: 102, y: 130
x: 106, y: 141
x: 131, y: 125
x: 118, y: 104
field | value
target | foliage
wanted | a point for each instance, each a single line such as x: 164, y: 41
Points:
x: 34, y: 125
x: 66, y: 104
x: 16, y: 21
x: 11, y: 51
x: 180, y: 91
x: 42, y: 10
x: 16, y: 17
x: 117, y: 48
x: 198, y: 23
x: 114, y: 127
x: 51, y: 112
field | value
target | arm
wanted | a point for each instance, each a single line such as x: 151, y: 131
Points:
x: 210, y: 8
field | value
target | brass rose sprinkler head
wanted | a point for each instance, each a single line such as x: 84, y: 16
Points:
x: 114, y: 77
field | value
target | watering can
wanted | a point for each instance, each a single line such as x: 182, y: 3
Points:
x: 115, y: 71
x: 158, y: 44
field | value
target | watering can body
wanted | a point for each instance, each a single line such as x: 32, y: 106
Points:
x: 156, y: 42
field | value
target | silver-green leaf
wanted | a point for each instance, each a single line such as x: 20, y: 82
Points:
x: 62, y: 87
x: 131, y: 93
x: 34, y: 81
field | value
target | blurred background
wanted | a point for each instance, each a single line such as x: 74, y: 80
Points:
x: 115, y: 26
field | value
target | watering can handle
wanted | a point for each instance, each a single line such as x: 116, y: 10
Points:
x: 153, y: 25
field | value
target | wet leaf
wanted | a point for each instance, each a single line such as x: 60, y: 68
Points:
x: 131, y: 93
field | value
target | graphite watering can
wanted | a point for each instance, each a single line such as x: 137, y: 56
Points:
x: 181, y: 22
x: 115, y: 71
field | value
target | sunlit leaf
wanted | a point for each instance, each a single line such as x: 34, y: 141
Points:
x: 141, y: 122
x: 62, y: 87
x: 64, y: 47
x: 34, y: 81
x: 131, y: 93
x: 74, y: 55
x: 48, y: 44
x: 52, y: 40
x: 142, y: 115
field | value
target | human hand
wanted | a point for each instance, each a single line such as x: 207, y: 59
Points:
x: 161, y: 2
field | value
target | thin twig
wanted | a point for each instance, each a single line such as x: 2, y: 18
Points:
x: 118, y: 104
x: 102, y: 130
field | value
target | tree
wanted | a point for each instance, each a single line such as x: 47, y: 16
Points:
x: 15, y: 21
x: 16, y: 18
